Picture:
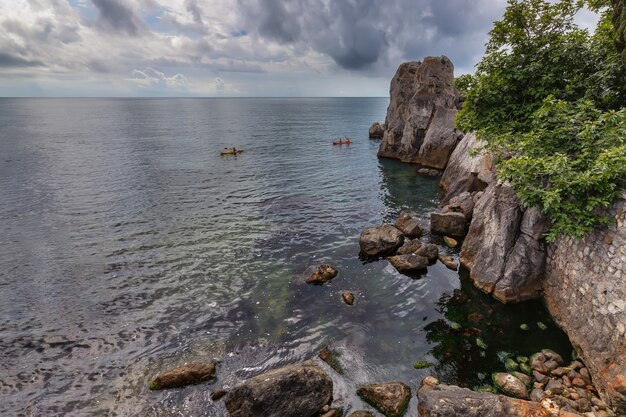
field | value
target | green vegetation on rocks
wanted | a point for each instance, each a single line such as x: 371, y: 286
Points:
x: 548, y: 97
x: 422, y: 364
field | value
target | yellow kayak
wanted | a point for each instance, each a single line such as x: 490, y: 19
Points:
x: 232, y: 152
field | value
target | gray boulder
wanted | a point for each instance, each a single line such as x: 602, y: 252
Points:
x: 391, y: 398
x: 408, y: 224
x: 299, y: 390
x: 450, y: 223
x: 419, y: 127
x: 380, y: 240
x: 408, y: 263
x: 377, y: 131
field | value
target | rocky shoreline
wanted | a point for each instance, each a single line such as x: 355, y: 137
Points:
x: 503, y: 249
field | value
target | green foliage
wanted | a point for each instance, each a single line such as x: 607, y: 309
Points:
x: 464, y: 83
x: 548, y: 98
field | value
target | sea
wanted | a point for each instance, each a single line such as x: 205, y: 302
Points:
x: 129, y: 245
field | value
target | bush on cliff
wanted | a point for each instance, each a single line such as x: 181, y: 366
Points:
x: 549, y: 98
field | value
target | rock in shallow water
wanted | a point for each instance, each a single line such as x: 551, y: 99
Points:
x: 410, y: 246
x: 510, y: 385
x: 361, y: 413
x: 380, y: 240
x: 323, y: 274
x: 408, y: 263
x: 190, y: 374
x: 347, y: 297
x: 376, y: 131
x: 299, y: 390
x: 408, y: 224
x: 391, y: 398
x: 450, y: 223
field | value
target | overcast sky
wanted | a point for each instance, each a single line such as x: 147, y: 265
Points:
x: 230, y: 47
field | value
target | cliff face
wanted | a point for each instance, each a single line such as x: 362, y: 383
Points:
x: 419, y: 127
x: 585, y: 291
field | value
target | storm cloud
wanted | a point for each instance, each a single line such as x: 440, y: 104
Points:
x: 118, y: 16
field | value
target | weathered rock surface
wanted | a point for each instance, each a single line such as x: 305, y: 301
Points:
x: 408, y: 263
x: 510, y: 385
x: 380, y: 240
x: 361, y: 413
x: 299, y: 390
x: 462, y: 203
x: 428, y: 172
x: 419, y: 127
x: 449, y: 262
x: 190, y: 374
x: 377, y: 131
x: 438, y: 400
x: 450, y: 223
x: 410, y: 246
x: 324, y: 273
x: 347, y: 297
x: 428, y: 251
x: 504, y: 249
x: 391, y: 398
x: 408, y: 224
x: 468, y: 170
x: 585, y: 291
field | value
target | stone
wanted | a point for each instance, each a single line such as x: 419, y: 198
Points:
x: 428, y: 172
x: 391, y: 398
x: 380, y: 240
x: 361, y: 413
x: 428, y: 251
x: 419, y: 127
x: 410, y: 246
x: 347, y: 297
x: 324, y: 273
x: 550, y: 354
x: 469, y: 169
x: 331, y: 357
x: 438, y: 400
x: 217, y: 394
x: 189, y: 374
x: 451, y: 223
x: 408, y: 263
x: 522, y: 377
x: 462, y: 203
x: 298, y: 390
x: 551, y: 364
x: 539, y: 376
x: 376, y: 131
x: 492, y: 235
x: 449, y: 262
x: 510, y: 385
x: 536, y: 395
x: 555, y: 385
x: 450, y: 242
x: 579, y: 382
x: 408, y: 224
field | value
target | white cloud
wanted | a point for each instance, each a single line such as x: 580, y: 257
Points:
x: 150, y: 77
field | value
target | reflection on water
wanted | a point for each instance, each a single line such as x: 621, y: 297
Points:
x: 129, y: 246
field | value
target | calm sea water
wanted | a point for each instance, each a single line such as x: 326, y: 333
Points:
x: 129, y: 245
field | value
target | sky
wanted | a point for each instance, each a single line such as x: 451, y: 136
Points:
x: 231, y: 48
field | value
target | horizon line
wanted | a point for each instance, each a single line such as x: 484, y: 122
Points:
x: 184, y: 97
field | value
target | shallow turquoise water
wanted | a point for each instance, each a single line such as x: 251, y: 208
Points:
x: 129, y: 246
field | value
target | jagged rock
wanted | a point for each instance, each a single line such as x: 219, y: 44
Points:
x: 450, y: 223
x: 438, y: 400
x: 299, y: 390
x: 410, y: 246
x: 469, y: 169
x: 408, y: 224
x: 347, y: 297
x: 408, y: 263
x: 190, y: 374
x: 449, y: 262
x: 380, y: 240
x: 324, y: 273
x: 428, y: 251
x: 419, y: 127
x: 491, y: 236
x: 391, y: 398
x: 510, y: 385
x: 462, y: 203
x: 377, y: 131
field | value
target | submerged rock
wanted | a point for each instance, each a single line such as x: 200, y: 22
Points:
x: 331, y: 357
x: 428, y: 172
x: 361, y: 413
x: 347, y: 297
x: 299, y: 390
x: 510, y: 385
x: 324, y: 273
x: 380, y: 240
x: 190, y: 374
x: 408, y: 263
x: 376, y: 131
x: 217, y: 394
x: 408, y: 224
x: 391, y: 398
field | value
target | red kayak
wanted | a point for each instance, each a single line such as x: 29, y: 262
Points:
x: 340, y: 142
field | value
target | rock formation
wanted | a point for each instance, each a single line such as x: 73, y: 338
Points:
x: 377, y: 131
x: 190, y: 374
x: 391, y: 398
x: 438, y: 400
x: 299, y: 390
x: 380, y: 240
x: 419, y: 127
